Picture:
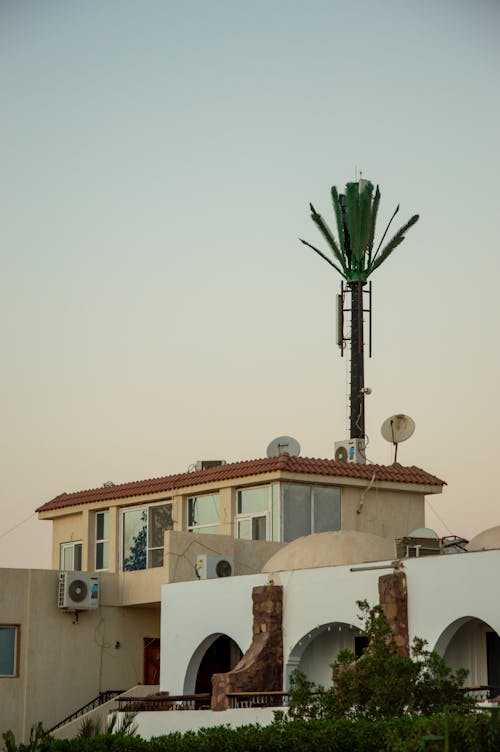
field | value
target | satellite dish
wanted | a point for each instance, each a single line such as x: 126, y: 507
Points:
x: 283, y: 444
x: 397, y: 428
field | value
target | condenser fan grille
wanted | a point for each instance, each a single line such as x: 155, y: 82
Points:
x: 78, y: 591
x: 223, y: 568
x: 341, y: 454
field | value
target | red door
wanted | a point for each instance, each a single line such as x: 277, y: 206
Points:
x: 151, y: 660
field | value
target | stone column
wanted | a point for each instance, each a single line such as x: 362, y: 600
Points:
x: 261, y: 668
x: 394, y: 601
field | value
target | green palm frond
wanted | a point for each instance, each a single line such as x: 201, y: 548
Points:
x: 338, y: 215
x: 320, y: 253
x: 356, y: 213
x: 352, y: 211
x: 392, y: 244
x: 376, y: 201
x: 328, y: 236
x: 365, y: 214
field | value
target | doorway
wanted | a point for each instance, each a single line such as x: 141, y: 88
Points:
x: 151, y: 670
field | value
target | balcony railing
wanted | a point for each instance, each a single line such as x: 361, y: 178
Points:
x: 483, y: 692
x: 164, y: 701
x: 274, y: 699
x: 101, y: 698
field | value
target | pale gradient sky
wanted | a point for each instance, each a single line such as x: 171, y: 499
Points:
x: 157, y: 161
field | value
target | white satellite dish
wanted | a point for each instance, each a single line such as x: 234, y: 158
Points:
x: 397, y: 428
x: 283, y: 444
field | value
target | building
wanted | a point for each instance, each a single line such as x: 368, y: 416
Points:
x: 293, y: 534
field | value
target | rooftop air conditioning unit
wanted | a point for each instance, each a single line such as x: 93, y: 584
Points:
x: 78, y: 591
x: 207, y: 464
x: 350, y: 450
x: 209, y: 566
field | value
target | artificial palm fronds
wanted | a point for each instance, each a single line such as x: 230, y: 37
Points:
x: 356, y: 216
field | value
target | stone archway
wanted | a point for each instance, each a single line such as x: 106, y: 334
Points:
x: 216, y: 653
x: 472, y: 644
x: 317, y: 649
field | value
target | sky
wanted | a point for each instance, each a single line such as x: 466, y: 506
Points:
x: 157, y: 163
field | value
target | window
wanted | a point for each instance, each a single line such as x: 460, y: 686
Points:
x: 102, y: 540
x: 253, y: 513
x: 142, y: 536
x: 204, y: 514
x: 9, y: 638
x: 309, y: 509
x: 71, y: 556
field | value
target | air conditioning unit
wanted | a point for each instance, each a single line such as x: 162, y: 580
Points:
x: 207, y: 464
x: 350, y: 450
x: 209, y: 566
x: 78, y: 591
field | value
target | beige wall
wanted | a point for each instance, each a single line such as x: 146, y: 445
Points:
x: 182, y: 550
x: 64, y: 665
x: 64, y: 530
x: 390, y: 514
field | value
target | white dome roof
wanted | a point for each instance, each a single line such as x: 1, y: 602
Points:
x: 485, y: 540
x: 329, y: 549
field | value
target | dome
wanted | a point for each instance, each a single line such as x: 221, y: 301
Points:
x: 330, y: 549
x: 485, y: 540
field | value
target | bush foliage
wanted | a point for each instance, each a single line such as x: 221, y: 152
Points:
x: 382, y: 683
x: 473, y: 732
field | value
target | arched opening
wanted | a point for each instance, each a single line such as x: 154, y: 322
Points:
x: 217, y: 654
x: 317, y: 649
x: 472, y: 644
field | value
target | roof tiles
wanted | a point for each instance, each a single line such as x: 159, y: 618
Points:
x: 307, y: 466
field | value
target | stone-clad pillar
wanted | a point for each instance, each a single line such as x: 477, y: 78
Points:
x: 394, y: 601
x: 261, y: 668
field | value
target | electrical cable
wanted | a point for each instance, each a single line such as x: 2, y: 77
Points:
x: 11, y: 530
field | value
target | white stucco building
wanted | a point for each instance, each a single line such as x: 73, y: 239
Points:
x: 303, y: 539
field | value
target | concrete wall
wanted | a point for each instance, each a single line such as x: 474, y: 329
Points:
x: 390, y: 514
x: 63, y: 665
x: 444, y: 592
x: 160, y: 722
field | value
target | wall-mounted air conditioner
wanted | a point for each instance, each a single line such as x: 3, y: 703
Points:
x: 78, y: 591
x: 350, y: 450
x: 210, y: 566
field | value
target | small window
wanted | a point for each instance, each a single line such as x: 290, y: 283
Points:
x: 9, y: 638
x: 102, y: 540
x: 204, y: 514
x: 254, y: 506
x: 71, y: 556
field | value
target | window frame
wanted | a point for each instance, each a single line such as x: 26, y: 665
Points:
x: 250, y: 516
x: 203, y: 528
x: 67, y: 545
x: 101, y: 541
x: 141, y: 508
x: 312, y: 487
x: 16, y: 652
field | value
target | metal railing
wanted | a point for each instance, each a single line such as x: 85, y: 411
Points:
x: 101, y: 698
x: 164, y: 701
x: 274, y: 699
x: 482, y: 692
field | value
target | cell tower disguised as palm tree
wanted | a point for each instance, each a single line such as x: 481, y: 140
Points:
x: 354, y: 259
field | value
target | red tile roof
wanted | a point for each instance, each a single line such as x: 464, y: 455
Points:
x: 391, y: 473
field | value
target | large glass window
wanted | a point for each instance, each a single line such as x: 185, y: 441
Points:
x: 309, y: 509
x: 204, y: 514
x: 142, y: 536
x: 8, y: 649
x: 102, y: 540
x: 71, y: 556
